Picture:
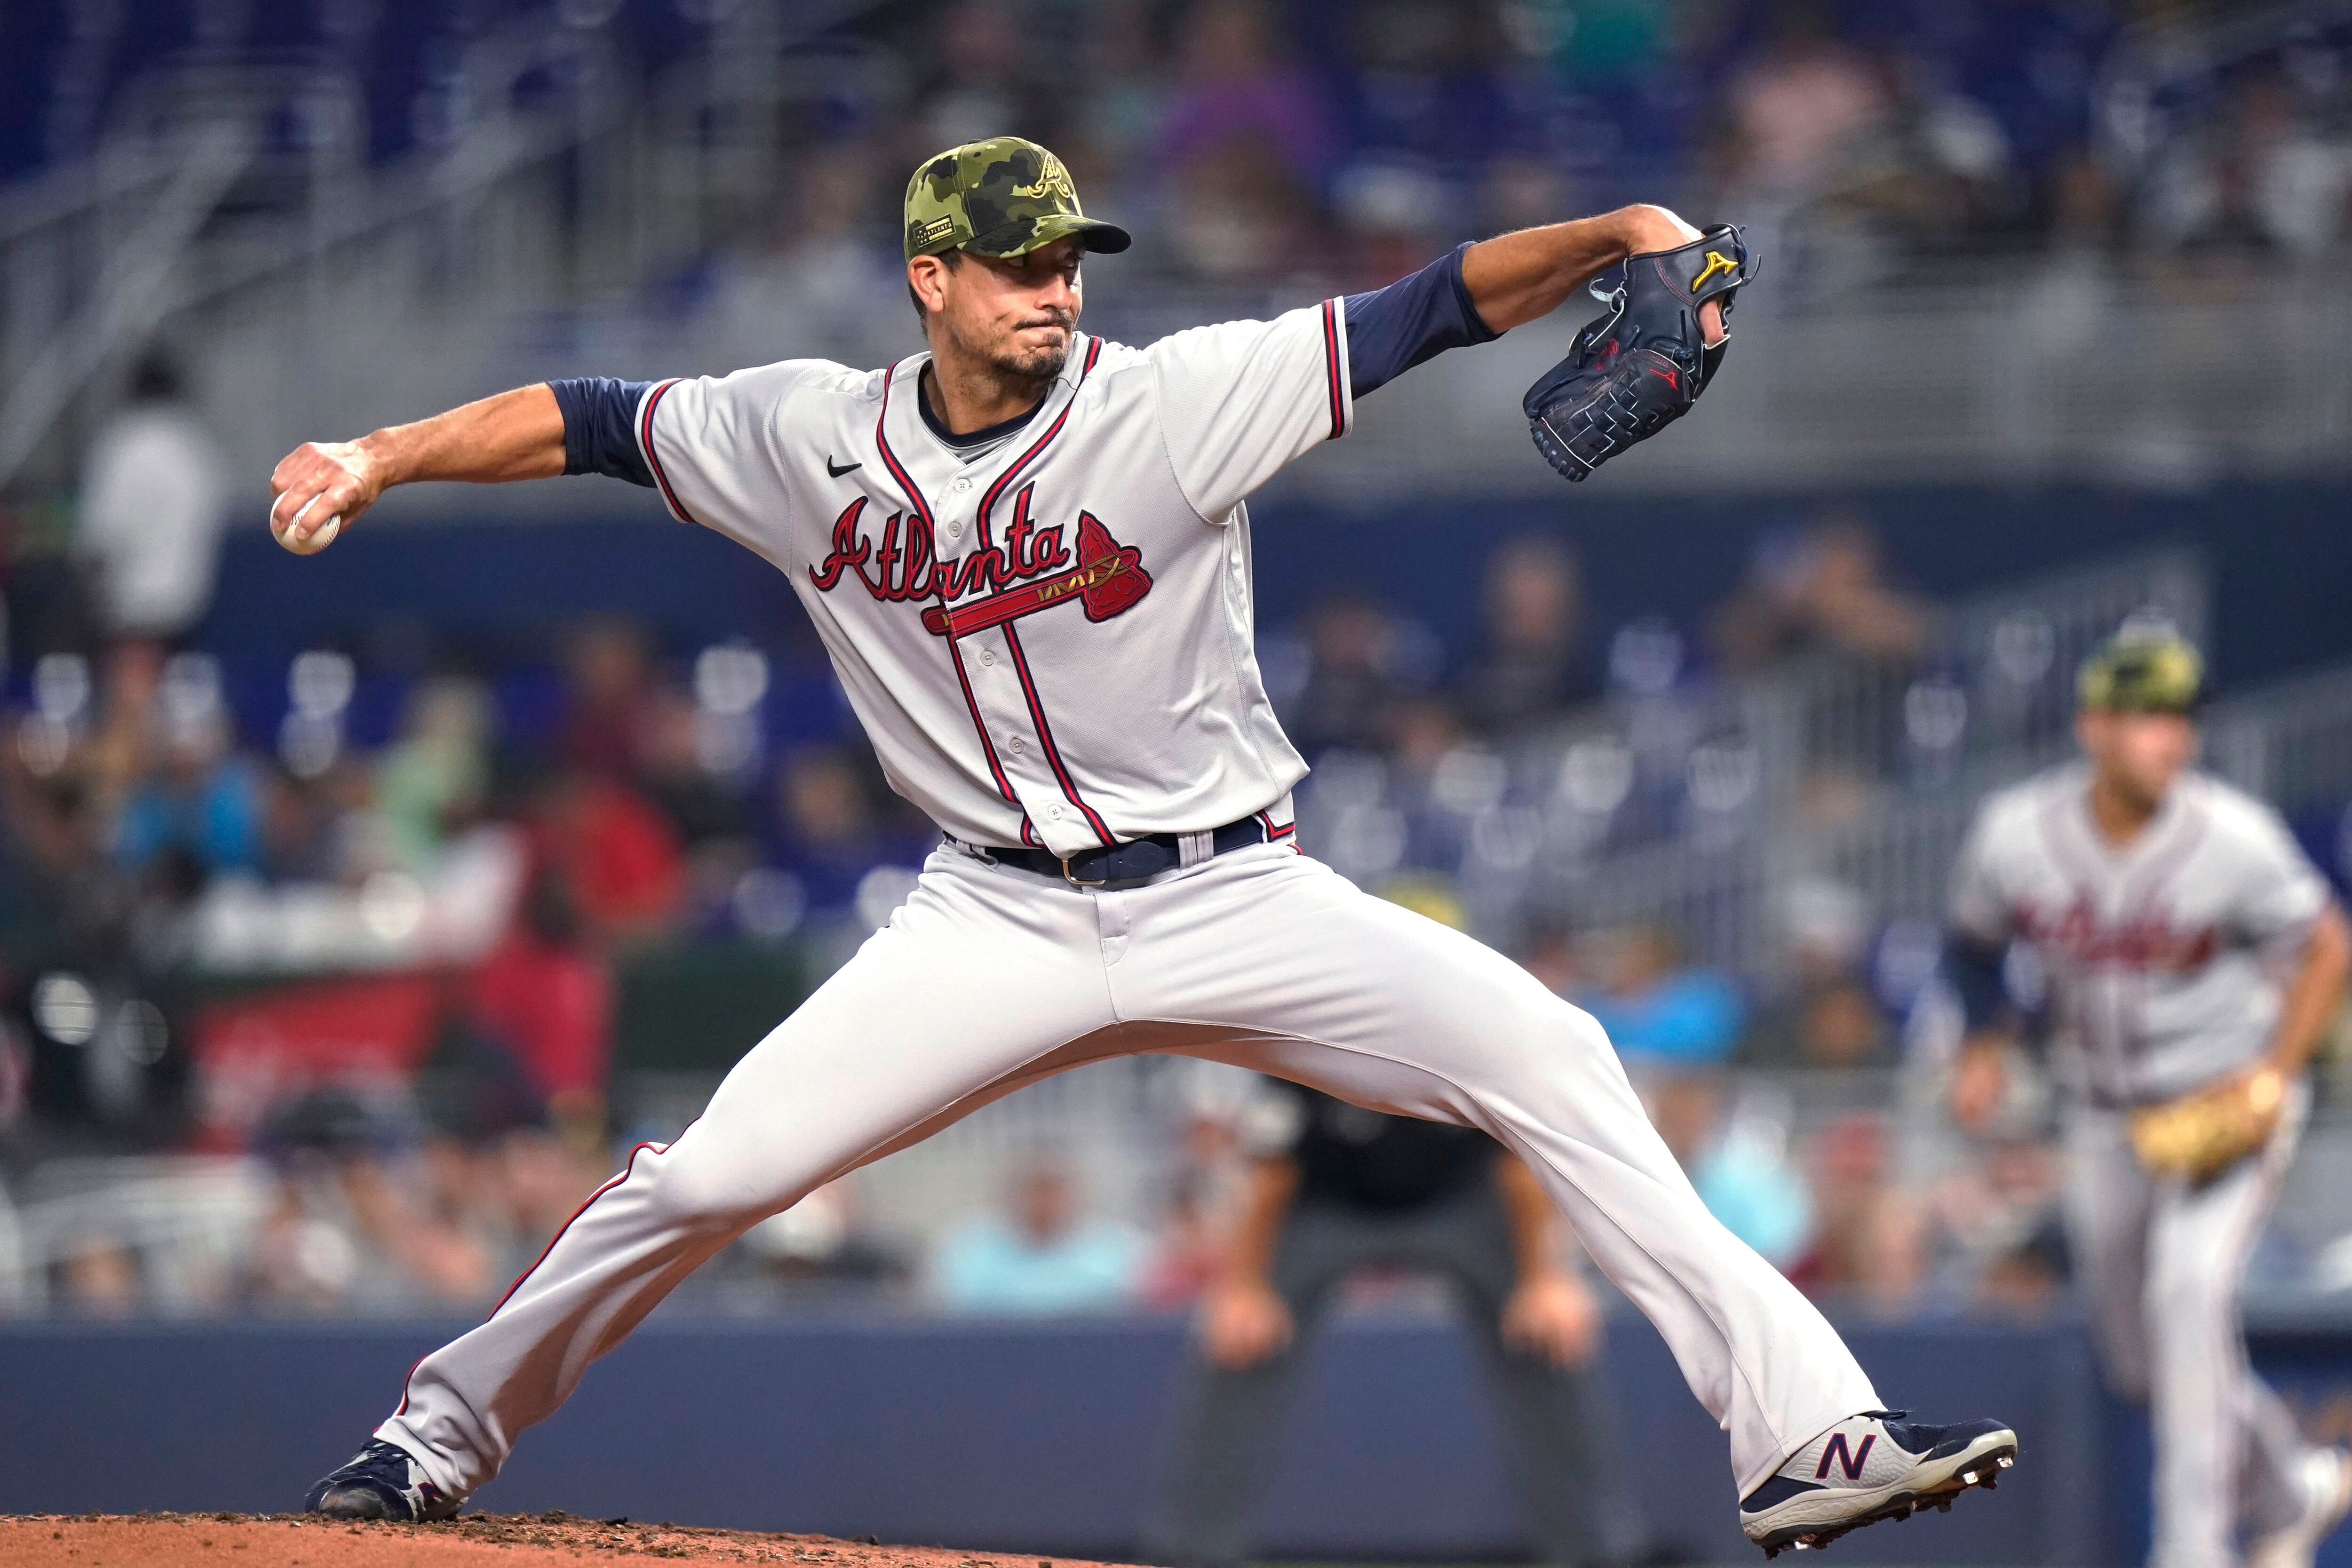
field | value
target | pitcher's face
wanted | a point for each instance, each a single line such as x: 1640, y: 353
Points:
x: 1013, y: 313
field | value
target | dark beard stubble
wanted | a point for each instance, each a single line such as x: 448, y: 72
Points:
x: 1037, y: 367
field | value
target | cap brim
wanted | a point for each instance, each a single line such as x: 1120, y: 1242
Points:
x: 1020, y: 238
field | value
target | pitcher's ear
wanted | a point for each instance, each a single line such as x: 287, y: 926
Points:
x: 927, y: 283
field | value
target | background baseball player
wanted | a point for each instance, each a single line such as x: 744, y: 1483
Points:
x: 1028, y: 557
x: 2193, y: 958
x: 1341, y: 1189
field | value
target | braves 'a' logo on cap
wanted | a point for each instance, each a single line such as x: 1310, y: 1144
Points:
x: 1053, y: 180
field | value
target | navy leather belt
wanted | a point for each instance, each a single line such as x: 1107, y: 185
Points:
x: 1129, y: 864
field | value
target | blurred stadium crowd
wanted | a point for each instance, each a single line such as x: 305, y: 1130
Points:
x: 322, y: 1015
x: 335, y: 985
x: 1252, y: 142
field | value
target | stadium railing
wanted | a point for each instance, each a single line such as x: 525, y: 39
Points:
x: 1910, y: 747
x: 231, y: 197
x: 2291, y: 742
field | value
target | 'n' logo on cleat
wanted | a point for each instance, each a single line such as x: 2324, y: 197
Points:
x: 1850, y: 1460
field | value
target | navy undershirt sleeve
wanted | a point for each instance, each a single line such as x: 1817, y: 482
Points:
x: 600, y: 415
x: 1391, y: 329
x: 1974, y: 971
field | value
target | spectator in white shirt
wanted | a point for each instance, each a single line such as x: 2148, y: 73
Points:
x: 155, y: 501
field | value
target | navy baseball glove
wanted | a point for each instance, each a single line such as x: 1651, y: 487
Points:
x: 1639, y: 368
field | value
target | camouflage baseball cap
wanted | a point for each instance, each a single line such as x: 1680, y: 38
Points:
x: 2143, y: 671
x: 1003, y: 196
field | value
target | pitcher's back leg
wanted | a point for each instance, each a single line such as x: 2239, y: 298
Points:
x: 893, y: 1041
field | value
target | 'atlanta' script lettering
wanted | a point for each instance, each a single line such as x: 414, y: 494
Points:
x: 2150, y: 941
x: 903, y: 565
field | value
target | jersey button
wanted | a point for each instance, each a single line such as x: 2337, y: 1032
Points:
x: 1014, y: 746
x: 955, y: 531
x: 963, y: 483
x: 986, y: 657
x: 1054, y: 812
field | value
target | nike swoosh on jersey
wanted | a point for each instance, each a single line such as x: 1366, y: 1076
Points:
x: 844, y: 468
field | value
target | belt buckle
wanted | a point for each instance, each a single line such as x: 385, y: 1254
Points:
x: 1074, y: 881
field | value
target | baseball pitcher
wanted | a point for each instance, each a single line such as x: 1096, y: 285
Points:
x: 1028, y: 553
x: 2193, y: 958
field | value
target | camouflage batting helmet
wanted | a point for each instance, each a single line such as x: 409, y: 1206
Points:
x: 2143, y: 671
x: 1003, y: 196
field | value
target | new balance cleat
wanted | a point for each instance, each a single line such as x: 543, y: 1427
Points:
x: 380, y: 1481
x: 1871, y: 1467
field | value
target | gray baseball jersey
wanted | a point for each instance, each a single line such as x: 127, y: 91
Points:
x: 1120, y: 499
x: 2165, y: 958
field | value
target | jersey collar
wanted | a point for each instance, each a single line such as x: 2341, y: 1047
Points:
x: 975, y: 439
x: 1072, y: 371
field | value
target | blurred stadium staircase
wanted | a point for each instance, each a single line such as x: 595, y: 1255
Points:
x: 354, y: 216
x: 283, y: 190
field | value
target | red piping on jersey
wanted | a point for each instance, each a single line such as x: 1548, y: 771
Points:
x: 627, y: 1166
x: 1003, y: 785
x: 923, y: 512
x: 955, y: 658
x: 2050, y: 819
x: 891, y: 459
x: 401, y: 1408
x: 630, y: 1166
x: 645, y: 439
x: 1045, y: 736
x: 1274, y: 833
x: 1331, y: 369
x: 2169, y: 858
x: 988, y: 501
x: 2085, y: 873
x: 1011, y: 639
x: 567, y: 1224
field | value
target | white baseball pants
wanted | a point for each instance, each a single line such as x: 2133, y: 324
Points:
x: 2163, y: 1264
x: 989, y: 978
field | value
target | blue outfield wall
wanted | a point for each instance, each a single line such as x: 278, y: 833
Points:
x: 498, y: 591
x: 1043, y: 1438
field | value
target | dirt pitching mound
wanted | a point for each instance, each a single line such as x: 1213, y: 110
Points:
x: 507, y: 1541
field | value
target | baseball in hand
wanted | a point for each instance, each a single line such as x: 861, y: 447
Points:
x: 319, y: 539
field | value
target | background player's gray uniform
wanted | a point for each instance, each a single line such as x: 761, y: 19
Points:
x: 2166, y: 962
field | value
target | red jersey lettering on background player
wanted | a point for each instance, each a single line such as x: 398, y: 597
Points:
x: 2146, y: 942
